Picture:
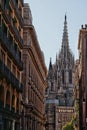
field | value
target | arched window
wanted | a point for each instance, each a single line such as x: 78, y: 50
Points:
x: 13, y: 101
x: 70, y: 76
x: 63, y: 76
x: 17, y: 105
x: 16, y: 2
x: 51, y: 86
x: 1, y: 93
x: 8, y: 100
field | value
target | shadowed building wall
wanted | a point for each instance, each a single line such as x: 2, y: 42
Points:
x: 34, y: 77
x: 82, y: 48
x: 11, y: 66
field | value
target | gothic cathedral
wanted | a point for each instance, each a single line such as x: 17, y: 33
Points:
x: 60, y: 86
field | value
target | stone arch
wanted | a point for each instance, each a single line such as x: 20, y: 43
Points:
x: 13, y: 101
x: 17, y: 104
x: 8, y: 97
x: 1, y: 93
x: 70, y: 76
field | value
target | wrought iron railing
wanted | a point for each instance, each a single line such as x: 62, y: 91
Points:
x: 9, y: 19
x: 5, y: 72
x: 8, y: 45
x: 17, y: 11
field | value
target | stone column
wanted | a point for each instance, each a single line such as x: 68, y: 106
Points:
x: 13, y: 125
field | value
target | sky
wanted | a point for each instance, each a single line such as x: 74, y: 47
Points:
x: 48, y: 20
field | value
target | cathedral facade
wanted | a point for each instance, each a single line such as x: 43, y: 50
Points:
x: 60, y: 86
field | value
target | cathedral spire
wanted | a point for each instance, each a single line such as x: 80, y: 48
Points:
x: 65, y: 42
x: 65, y: 17
x: 50, y: 72
x: 50, y: 64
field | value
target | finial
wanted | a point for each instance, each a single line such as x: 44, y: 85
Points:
x: 65, y: 17
x: 50, y: 60
x: 50, y: 65
x: 56, y: 57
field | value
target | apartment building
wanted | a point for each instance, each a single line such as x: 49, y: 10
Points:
x: 11, y: 66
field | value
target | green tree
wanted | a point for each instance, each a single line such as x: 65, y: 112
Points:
x: 69, y: 125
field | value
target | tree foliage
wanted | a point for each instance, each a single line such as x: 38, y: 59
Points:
x: 69, y: 125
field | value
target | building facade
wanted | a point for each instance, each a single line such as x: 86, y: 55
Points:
x: 82, y: 48
x: 60, y: 84
x: 76, y: 94
x: 11, y: 66
x: 63, y: 115
x: 34, y: 77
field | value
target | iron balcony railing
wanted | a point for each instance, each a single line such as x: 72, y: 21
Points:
x: 17, y: 11
x: 18, y: 35
x: 1, y: 104
x: 9, y: 19
x: 7, y: 107
x: 5, y: 72
x: 16, y: 32
x: 8, y: 45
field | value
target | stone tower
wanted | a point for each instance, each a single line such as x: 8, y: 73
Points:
x: 60, y: 80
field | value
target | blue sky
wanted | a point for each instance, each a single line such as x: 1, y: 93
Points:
x: 48, y: 20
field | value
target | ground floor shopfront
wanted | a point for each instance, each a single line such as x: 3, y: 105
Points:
x: 9, y: 120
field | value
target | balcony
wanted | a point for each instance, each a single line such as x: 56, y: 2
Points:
x: 1, y: 104
x: 19, y: 15
x: 17, y: 35
x: 13, y: 110
x: 5, y: 72
x: 7, y: 107
x: 14, y: 29
x: 17, y: 11
x: 17, y: 111
x: 9, y: 21
x: 7, y: 44
x: 22, y: 1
